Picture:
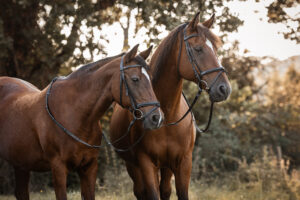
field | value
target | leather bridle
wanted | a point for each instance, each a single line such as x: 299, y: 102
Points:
x: 135, y: 109
x: 197, y: 71
x: 199, y: 76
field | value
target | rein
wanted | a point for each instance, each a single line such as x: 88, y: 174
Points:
x: 135, y: 109
x: 199, y: 75
x: 59, y: 124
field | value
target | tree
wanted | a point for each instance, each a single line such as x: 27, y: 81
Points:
x: 33, y: 44
x: 158, y: 15
x: 39, y: 39
x: 278, y: 12
x: 283, y: 99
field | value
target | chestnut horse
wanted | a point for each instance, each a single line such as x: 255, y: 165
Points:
x: 188, y: 52
x: 35, y: 138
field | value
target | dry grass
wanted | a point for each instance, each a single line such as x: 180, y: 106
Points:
x: 259, y: 181
x: 230, y: 189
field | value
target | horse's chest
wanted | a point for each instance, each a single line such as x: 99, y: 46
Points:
x: 80, y: 158
x: 169, y: 147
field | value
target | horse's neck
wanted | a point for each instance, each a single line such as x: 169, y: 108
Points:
x: 83, y: 99
x: 168, y: 86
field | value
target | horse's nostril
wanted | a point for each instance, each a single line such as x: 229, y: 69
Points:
x: 222, y: 90
x: 155, y: 118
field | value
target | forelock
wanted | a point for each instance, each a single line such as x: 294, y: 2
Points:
x: 214, y: 39
x: 141, y: 61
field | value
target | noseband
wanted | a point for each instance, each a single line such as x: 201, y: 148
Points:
x: 199, y: 74
x: 135, y: 109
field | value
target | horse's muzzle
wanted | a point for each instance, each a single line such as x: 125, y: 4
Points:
x: 154, y: 120
x: 220, y: 92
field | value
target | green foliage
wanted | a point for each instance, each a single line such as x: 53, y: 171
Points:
x: 254, y: 116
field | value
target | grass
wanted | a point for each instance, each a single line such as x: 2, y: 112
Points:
x: 228, y: 189
x: 261, y: 180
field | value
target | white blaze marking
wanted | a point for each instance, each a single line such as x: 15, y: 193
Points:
x: 194, y: 133
x: 194, y: 129
x: 159, y: 117
x: 148, y: 77
x: 208, y: 43
x: 145, y: 73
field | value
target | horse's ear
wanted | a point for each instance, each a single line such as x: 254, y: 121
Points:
x: 209, y: 23
x: 193, y: 24
x: 146, y: 53
x: 131, y: 54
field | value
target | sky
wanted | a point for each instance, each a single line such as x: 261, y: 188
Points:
x: 258, y: 36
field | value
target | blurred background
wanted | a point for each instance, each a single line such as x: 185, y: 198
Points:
x: 252, y: 150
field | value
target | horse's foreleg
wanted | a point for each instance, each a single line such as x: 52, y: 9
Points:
x: 165, y: 183
x: 182, y: 177
x: 150, y: 178
x: 59, y: 176
x: 137, y: 178
x: 88, y: 176
x: 22, y: 181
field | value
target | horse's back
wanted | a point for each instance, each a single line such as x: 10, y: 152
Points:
x: 14, y: 90
x: 10, y: 86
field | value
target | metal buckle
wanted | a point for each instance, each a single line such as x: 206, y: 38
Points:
x: 138, y: 114
x: 205, y: 84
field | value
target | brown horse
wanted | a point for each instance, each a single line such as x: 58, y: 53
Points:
x: 188, y: 52
x: 30, y: 139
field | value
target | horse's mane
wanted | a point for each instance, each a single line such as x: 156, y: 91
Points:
x: 166, y: 46
x: 164, y: 49
x: 93, y: 66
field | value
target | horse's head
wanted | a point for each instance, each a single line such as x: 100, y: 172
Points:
x: 199, y: 62
x: 132, y: 88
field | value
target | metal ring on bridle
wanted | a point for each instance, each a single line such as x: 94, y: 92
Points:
x: 138, y: 114
x: 206, y: 87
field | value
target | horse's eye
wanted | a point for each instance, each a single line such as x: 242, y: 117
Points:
x: 198, y: 48
x: 135, y: 79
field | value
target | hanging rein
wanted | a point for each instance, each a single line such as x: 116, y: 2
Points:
x: 135, y: 109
